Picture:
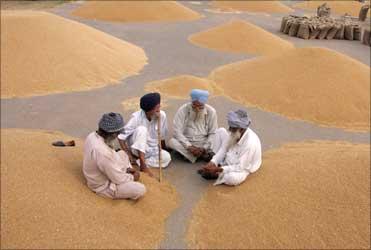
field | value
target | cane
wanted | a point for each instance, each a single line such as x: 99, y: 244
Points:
x: 159, y: 147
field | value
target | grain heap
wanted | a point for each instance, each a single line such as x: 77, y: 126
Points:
x: 241, y: 36
x: 136, y: 11
x: 310, y: 195
x: 43, y: 53
x: 45, y: 203
x: 337, y: 7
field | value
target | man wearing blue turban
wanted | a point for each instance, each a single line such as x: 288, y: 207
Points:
x: 239, y: 155
x: 196, y: 133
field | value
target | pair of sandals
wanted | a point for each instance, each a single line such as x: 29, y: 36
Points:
x: 64, y: 144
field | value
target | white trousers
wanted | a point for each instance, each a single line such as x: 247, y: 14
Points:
x: 138, y: 142
x: 231, y: 178
x: 129, y: 190
x: 221, y: 135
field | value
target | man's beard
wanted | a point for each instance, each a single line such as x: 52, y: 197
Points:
x: 233, y: 139
x: 110, y: 141
x: 196, y: 115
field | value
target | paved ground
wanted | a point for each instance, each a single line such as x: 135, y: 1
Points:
x: 171, y: 54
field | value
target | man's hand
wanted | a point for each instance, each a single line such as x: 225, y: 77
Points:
x: 196, y: 151
x: 134, y: 172
x: 212, y: 168
x: 145, y: 169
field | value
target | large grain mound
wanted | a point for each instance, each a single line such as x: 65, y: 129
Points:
x: 338, y: 7
x: 313, y: 84
x: 136, y: 11
x: 43, y: 53
x: 240, y: 36
x: 305, y: 196
x: 180, y: 86
x: 252, y: 6
x: 45, y: 203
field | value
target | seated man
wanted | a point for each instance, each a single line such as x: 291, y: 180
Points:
x: 109, y: 173
x: 140, y: 135
x: 239, y: 156
x: 196, y: 133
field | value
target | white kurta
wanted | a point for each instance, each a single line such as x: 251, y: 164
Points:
x: 189, y: 132
x: 142, y: 135
x: 105, y: 170
x: 240, y: 160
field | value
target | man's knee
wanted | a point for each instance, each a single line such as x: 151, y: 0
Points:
x: 222, y: 132
x: 166, y: 158
x: 234, y: 179
x: 140, y: 190
x: 173, y: 143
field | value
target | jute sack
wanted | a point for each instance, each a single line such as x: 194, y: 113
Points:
x: 287, y: 26
x: 294, y: 28
x: 366, y: 37
x: 323, y: 32
x: 348, y: 32
x: 314, y: 32
x: 332, y: 32
x: 363, y: 13
x: 340, y: 33
x: 357, y: 33
x: 303, y: 31
x: 283, y: 23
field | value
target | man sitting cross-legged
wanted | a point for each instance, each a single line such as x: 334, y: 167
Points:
x: 196, y: 133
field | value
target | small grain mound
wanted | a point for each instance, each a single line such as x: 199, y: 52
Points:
x: 240, y: 36
x: 45, y: 203
x: 312, y: 84
x: 43, y: 53
x: 338, y: 7
x: 136, y: 11
x: 180, y: 86
x: 305, y: 196
x: 133, y: 104
x: 252, y: 6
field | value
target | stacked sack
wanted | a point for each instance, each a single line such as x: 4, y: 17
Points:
x: 321, y: 27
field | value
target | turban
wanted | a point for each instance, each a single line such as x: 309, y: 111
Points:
x: 111, y: 122
x: 149, y: 101
x: 199, y: 95
x: 238, y: 119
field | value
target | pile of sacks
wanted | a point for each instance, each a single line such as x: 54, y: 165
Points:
x: 316, y: 27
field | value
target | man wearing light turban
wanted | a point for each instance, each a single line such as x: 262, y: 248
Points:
x: 196, y: 132
x: 239, y: 155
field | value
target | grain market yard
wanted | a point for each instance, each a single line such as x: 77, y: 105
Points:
x: 169, y: 54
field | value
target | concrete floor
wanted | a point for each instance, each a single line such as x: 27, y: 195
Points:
x: 170, y: 54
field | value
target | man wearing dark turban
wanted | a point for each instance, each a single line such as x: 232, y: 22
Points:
x: 109, y: 173
x: 140, y: 135
x: 240, y: 154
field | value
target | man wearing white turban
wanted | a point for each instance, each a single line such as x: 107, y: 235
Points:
x: 196, y: 132
x: 239, y: 155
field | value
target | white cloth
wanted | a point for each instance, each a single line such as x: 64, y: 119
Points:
x: 239, y: 160
x: 141, y: 134
x: 104, y: 168
x: 221, y: 135
x: 189, y: 131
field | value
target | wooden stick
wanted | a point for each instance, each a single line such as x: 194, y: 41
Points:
x: 159, y: 147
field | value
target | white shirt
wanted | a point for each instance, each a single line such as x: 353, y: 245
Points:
x: 139, y: 118
x: 103, y: 165
x: 244, y: 156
